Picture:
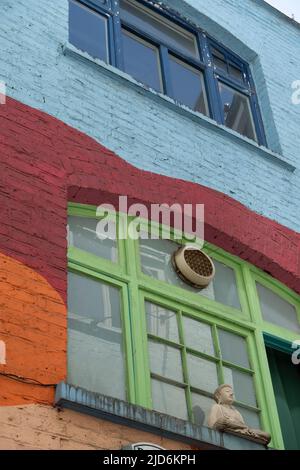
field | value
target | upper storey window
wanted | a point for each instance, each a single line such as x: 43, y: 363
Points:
x: 171, y: 57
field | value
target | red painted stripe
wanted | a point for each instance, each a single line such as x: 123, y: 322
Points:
x: 44, y: 163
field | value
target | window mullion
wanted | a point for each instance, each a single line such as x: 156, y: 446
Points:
x: 165, y: 71
x: 139, y: 341
x: 211, y: 81
x: 185, y: 367
x: 218, y: 354
x: 128, y: 346
x: 115, y: 37
x: 256, y: 111
x: 257, y: 119
x: 138, y: 329
x: 264, y: 388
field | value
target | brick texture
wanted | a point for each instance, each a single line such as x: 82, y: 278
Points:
x: 45, y: 163
x: 36, y: 427
x: 145, y: 132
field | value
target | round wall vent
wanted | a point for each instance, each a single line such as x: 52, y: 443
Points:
x: 194, y: 266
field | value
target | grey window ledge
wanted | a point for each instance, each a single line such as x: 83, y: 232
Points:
x: 121, y: 412
x: 69, y: 50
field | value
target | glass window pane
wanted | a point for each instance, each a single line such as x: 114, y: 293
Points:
x: 277, y: 310
x: 88, y: 31
x: 90, y: 299
x: 95, y: 344
x: 251, y: 418
x: 234, y: 348
x: 165, y: 361
x: 236, y: 73
x: 219, y: 60
x: 224, y: 285
x: 169, y: 400
x: 188, y: 85
x: 202, y: 373
x: 158, y: 27
x: 201, y: 406
x: 141, y: 60
x: 161, y: 322
x: 198, y: 336
x: 242, y: 385
x: 156, y: 260
x: 82, y: 233
x: 237, y: 111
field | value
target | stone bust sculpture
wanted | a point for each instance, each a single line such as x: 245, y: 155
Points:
x: 225, y: 418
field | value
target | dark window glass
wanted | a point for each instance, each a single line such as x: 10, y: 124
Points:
x: 160, y: 28
x: 88, y: 31
x: 168, y: 57
x: 141, y: 60
x: 237, y: 111
x: 188, y: 85
x: 236, y: 73
x: 219, y: 60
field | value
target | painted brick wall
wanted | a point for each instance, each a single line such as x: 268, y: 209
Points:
x: 36, y: 427
x: 146, y: 132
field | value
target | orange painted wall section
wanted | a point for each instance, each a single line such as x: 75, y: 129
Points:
x: 33, y: 326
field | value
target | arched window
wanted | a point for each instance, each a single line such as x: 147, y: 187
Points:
x: 139, y: 333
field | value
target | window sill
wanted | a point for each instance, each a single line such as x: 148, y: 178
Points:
x: 69, y: 50
x: 120, y: 412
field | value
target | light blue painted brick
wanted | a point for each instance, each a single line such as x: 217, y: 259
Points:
x: 147, y: 132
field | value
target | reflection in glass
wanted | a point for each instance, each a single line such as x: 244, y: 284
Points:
x: 188, y: 85
x: 251, y: 418
x: 164, y: 31
x: 95, y: 343
x: 277, y: 310
x: 219, y: 60
x: 242, y: 384
x: 165, y: 361
x: 236, y: 73
x: 169, y: 399
x: 141, y: 60
x: 156, y: 261
x: 198, y: 336
x: 233, y: 348
x: 202, y: 373
x: 161, y: 322
x: 237, y: 111
x: 225, y: 288
x: 201, y: 406
x: 83, y: 234
x: 88, y: 31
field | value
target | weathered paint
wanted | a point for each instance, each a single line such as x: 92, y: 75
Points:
x: 146, y: 132
x: 45, y: 163
x: 33, y: 327
x: 37, y: 427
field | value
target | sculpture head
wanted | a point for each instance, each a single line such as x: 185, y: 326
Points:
x: 224, y: 395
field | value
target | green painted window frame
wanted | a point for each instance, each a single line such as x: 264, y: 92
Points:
x: 137, y: 286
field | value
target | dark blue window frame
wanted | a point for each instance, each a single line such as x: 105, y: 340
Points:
x: 211, y: 73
